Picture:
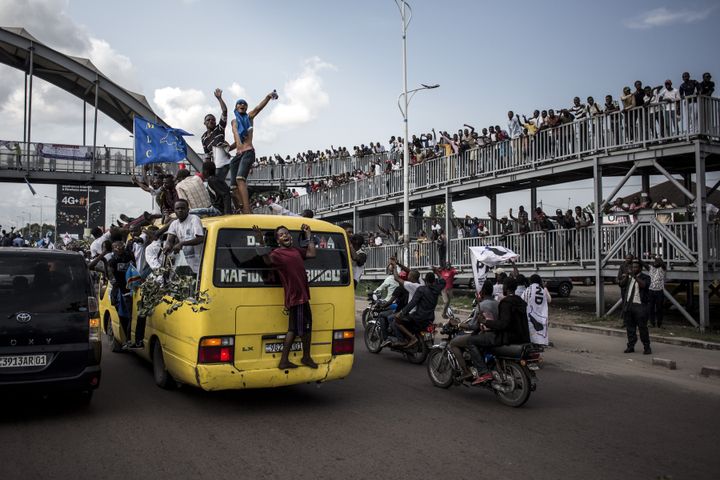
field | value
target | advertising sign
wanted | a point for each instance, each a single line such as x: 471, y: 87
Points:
x: 79, y: 207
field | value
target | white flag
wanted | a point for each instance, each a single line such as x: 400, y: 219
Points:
x: 488, y: 256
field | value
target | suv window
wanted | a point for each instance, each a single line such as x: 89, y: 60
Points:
x: 43, y: 283
x: 238, y: 265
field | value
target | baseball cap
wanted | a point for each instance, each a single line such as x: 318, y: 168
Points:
x: 498, y: 270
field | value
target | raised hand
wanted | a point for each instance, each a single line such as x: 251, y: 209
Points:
x: 218, y: 93
x: 258, y: 235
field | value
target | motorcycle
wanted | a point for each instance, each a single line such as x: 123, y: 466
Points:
x: 416, y: 354
x: 374, y: 308
x: 512, y: 367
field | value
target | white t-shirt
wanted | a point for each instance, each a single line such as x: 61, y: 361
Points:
x: 152, y: 255
x: 96, y: 245
x: 188, y: 230
x: 411, y: 288
x: 139, y: 253
x: 378, y: 241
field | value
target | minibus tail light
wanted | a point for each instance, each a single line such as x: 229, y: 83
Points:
x: 216, y: 350
x: 343, y: 342
x: 94, y: 320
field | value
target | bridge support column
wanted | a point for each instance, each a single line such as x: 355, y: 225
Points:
x: 448, y: 223
x: 702, y: 238
x: 355, y: 219
x: 533, y: 202
x: 28, y: 96
x: 493, y: 210
x: 645, y: 182
x: 95, y: 121
x: 597, y: 196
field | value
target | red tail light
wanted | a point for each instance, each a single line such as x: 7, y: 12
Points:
x: 216, y: 350
x: 343, y: 342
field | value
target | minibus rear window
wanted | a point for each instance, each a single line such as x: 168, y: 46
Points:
x: 238, y: 265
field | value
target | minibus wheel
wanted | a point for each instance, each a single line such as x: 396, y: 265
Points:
x: 163, y: 379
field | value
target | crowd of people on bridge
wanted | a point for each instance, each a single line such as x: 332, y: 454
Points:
x: 517, y: 131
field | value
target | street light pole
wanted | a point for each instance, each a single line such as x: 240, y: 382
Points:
x: 405, y: 17
x: 406, y: 151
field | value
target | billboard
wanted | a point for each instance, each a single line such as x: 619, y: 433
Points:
x: 79, y: 207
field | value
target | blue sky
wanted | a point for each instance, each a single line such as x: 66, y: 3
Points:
x: 337, y: 65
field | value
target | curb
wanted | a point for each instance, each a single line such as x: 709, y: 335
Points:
x: 664, y: 362
x: 710, y: 371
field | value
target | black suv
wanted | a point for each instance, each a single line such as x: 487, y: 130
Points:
x: 49, y: 323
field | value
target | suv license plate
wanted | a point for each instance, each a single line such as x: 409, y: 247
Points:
x: 19, y: 361
x: 277, y: 347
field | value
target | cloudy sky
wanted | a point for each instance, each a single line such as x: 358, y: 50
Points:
x: 337, y: 68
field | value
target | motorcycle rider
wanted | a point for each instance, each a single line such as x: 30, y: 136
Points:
x: 511, y: 326
x: 424, y: 301
x: 400, y: 299
x: 389, y: 284
x: 487, y: 309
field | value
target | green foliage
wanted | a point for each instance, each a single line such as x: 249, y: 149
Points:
x: 167, y: 287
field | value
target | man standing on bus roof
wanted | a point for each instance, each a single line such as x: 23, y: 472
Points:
x: 289, y: 262
x: 241, y: 164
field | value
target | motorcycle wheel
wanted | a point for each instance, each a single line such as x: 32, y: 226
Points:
x: 365, y: 317
x: 439, y: 369
x: 373, y: 339
x: 419, y: 353
x: 519, y: 378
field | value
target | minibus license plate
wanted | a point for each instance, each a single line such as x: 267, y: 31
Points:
x: 19, y: 361
x: 277, y: 347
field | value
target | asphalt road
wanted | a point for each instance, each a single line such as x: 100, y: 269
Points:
x: 621, y: 420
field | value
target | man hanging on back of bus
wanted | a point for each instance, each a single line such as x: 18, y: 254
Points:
x: 289, y: 262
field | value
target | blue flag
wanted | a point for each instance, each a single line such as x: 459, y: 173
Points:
x: 157, y: 144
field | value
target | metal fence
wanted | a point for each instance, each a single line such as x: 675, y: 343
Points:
x: 566, y: 247
x: 632, y: 128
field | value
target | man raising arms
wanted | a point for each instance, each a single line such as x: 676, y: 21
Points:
x: 214, y: 136
x: 242, y: 128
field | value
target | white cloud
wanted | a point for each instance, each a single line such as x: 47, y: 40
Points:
x: 663, y: 17
x: 47, y: 21
x: 237, y: 92
x: 302, y: 98
x: 186, y: 109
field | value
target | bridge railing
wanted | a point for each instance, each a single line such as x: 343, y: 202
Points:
x: 675, y: 242
x: 632, y: 128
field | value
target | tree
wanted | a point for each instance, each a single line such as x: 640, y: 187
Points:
x: 440, y: 211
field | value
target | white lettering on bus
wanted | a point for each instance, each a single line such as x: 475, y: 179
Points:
x: 239, y: 275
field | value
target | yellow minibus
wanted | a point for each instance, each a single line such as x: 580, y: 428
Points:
x: 234, y: 341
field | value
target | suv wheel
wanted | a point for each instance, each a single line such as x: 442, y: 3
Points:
x: 564, y: 289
